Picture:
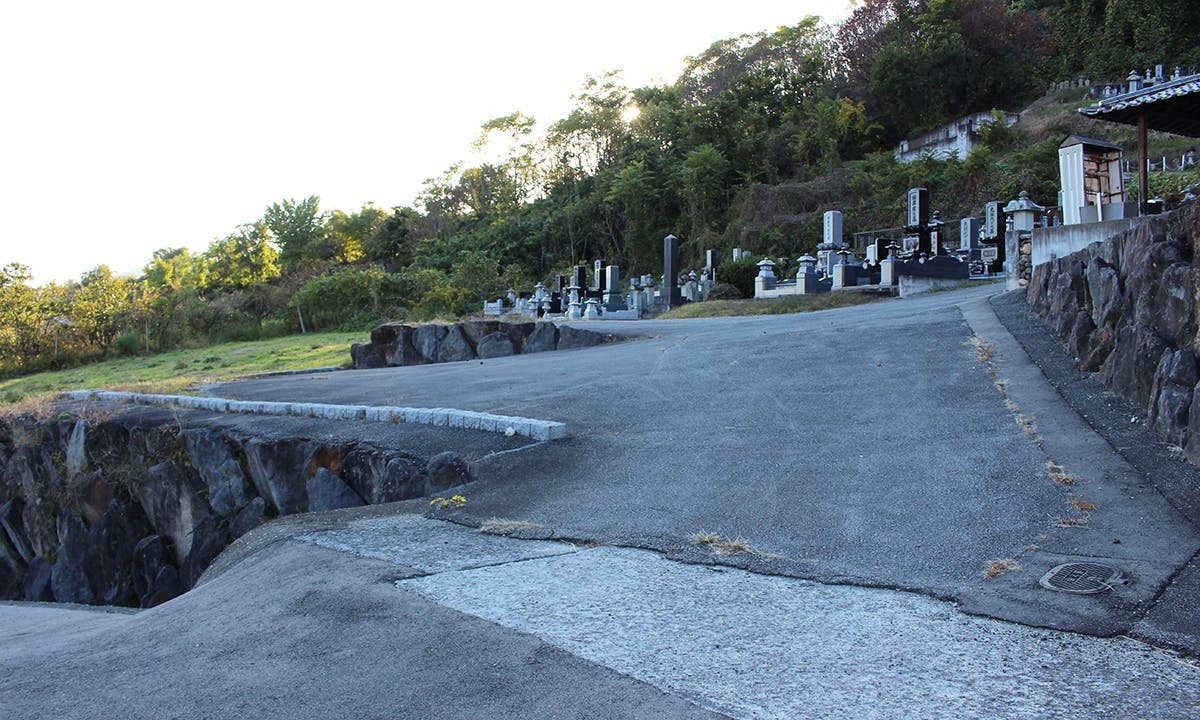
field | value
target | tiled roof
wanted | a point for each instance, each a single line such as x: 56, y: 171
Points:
x: 1173, y: 106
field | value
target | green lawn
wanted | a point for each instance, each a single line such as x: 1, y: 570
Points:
x: 179, y: 370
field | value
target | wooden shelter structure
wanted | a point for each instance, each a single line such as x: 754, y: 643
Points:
x: 1171, y: 106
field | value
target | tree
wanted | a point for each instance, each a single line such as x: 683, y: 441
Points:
x: 243, y: 258
x: 25, y: 317
x: 98, y: 305
x: 593, y: 132
x: 395, y: 238
x: 703, y: 181
x: 955, y: 58
x: 175, y: 269
x: 347, y: 236
x: 634, y: 188
x: 297, y: 228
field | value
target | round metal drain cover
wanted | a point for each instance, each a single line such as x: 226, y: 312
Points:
x: 1081, y: 578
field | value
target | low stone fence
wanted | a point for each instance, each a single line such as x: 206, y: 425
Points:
x: 400, y: 344
x: 1127, y: 309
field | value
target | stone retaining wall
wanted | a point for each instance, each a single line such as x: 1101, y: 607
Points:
x: 400, y: 344
x: 130, y: 510
x: 1127, y: 309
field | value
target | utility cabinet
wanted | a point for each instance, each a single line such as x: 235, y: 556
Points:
x: 1092, y: 180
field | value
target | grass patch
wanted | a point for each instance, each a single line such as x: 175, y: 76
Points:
x: 179, y: 370
x: 500, y: 526
x: 996, y: 568
x: 453, y: 502
x: 725, y: 547
x: 772, y: 306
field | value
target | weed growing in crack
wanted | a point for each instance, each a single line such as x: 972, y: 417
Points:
x: 500, y: 526
x: 1029, y: 426
x: 998, y: 567
x: 1059, y: 474
x: 724, y: 547
x: 1078, y: 504
x: 985, y: 351
x: 452, y: 502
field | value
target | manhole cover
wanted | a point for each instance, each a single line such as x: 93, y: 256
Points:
x: 1081, y: 578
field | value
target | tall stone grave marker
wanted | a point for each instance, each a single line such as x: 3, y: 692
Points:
x: 993, y: 221
x: 968, y: 233
x: 670, y: 289
x: 613, y: 300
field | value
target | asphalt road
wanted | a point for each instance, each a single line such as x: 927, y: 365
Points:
x: 864, y: 459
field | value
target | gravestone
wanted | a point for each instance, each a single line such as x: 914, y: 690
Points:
x: 968, y: 234
x: 579, y: 277
x: 918, y: 240
x: 613, y: 300
x: 832, y: 228
x: 598, y: 276
x: 671, y: 272
x: 993, y: 221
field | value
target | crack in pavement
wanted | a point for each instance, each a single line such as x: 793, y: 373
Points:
x: 753, y: 646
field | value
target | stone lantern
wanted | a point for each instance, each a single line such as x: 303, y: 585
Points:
x: 1023, y: 212
x: 766, y: 276
x: 806, y: 276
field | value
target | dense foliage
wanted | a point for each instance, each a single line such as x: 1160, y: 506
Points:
x: 758, y: 136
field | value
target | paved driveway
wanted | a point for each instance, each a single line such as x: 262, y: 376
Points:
x: 864, y: 460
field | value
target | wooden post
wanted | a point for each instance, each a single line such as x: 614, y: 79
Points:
x: 1143, y: 173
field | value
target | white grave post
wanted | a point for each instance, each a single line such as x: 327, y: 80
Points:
x: 832, y: 226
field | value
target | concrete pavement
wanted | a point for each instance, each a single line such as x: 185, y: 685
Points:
x: 864, y: 457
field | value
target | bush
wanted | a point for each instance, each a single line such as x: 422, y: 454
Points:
x: 128, y: 345
x: 350, y: 297
x: 443, y: 302
x: 740, y: 274
x: 724, y: 291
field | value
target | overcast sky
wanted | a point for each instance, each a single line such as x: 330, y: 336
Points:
x: 130, y: 126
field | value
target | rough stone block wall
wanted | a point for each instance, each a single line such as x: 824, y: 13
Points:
x: 1127, y: 310
x: 131, y: 509
x: 399, y: 344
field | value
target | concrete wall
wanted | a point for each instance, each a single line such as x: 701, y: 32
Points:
x: 911, y: 285
x: 1059, y: 242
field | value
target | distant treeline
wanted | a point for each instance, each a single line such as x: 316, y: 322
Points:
x: 810, y: 106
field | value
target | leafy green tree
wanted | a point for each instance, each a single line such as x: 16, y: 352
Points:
x: 593, y: 132
x: 25, y: 316
x: 242, y: 259
x: 99, y: 304
x: 297, y: 227
x: 394, y: 239
x: 347, y: 235
x: 483, y: 278
x: 175, y: 269
x: 634, y: 188
x: 702, y: 180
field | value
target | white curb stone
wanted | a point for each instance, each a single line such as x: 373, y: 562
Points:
x: 541, y: 430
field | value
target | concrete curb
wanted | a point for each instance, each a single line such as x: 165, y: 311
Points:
x: 541, y: 430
